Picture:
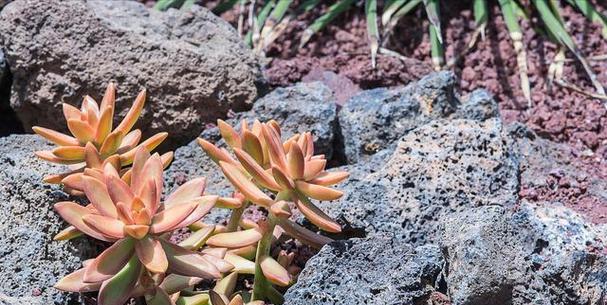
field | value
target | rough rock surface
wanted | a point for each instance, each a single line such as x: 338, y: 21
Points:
x: 544, y: 254
x: 192, y: 63
x: 373, y: 119
x: 436, y: 169
x: 30, y: 261
x: 549, y: 173
x: 378, y: 270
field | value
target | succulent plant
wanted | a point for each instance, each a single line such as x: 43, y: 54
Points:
x: 274, y: 175
x: 94, y: 142
x: 132, y: 217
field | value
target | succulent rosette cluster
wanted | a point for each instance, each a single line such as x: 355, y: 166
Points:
x: 277, y: 176
x: 135, y: 220
x: 123, y: 184
x: 94, y: 142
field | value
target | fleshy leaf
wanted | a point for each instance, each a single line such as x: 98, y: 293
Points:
x: 186, y: 192
x: 151, y: 254
x: 74, y: 282
x: 241, y: 265
x: 117, y: 290
x: 168, y: 219
x: 105, y: 225
x: 188, y: 263
x: 318, y: 192
x: 73, y: 214
x: 68, y: 233
x: 216, y: 154
x: 160, y: 298
x: 314, y: 167
x: 174, y: 283
x: 329, y: 178
x: 255, y: 170
x: 81, y: 130
x: 317, y: 216
x: 235, y: 239
x: 197, y: 239
x: 296, y: 162
x: 244, y: 185
x: 304, y: 235
x: 131, y: 117
x: 252, y: 146
x: 112, y: 143
x: 56, y: 137
x: 228, y: 134
x: 282, y: 179
x: 110, y: 261
x: 149, y: 144
x: 274, y: 272
x: 97, y: 193
x: 281, y: 209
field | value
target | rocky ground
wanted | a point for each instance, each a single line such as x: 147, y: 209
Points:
x: 448, y: 202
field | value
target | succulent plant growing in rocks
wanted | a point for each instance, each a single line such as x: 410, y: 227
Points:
x: 94, y: 142
x: 141, y: 260
x: 275, y: 175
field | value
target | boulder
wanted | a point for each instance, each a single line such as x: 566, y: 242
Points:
x: 374, y: 119
x: 30, y: 261
x: 536, y: 254
x: 479, y: 105
x: 193, y: 64
x: 374, y: 271
x: 485, y: 255
x: 435, y: 170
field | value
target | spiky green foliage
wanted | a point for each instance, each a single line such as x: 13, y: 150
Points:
x: 276, y: 176
x: 266, y: 28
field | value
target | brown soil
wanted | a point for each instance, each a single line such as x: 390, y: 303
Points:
x: 339, y: 56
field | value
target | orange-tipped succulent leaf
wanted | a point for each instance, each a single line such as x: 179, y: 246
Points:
x: 244, y: 185
x: 256, y: 171
x: 229, y: 135
x: 186, y: 192
x: 74, y: 282
x: 235, y: 239
x: 93, y: 142
x: 274, y: 272
x: 109, y: 262
x: 318, y: 192
x: 216, y: 154
x: 151, y: 254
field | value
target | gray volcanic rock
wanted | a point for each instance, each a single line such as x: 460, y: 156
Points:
x: 437, y: 169
x: 544, y: 254
x: 193, y: 64
x: 30, y: 261
x: 478, y: 105
x: 485, y: 255
x: 373, y: 119
x: 377, y: 270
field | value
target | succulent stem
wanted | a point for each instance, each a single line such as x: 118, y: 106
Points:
x: 236, y: 216
x: 261, y: 287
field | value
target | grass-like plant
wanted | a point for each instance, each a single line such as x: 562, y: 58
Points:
x: 267, y: 23
x: 94, y: 142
